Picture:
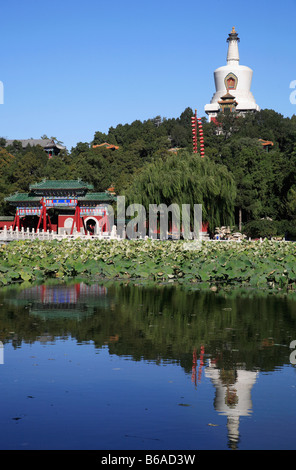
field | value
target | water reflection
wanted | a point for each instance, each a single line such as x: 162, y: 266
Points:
x: 72, y: 301
x: 232, y: 391
x: 225, y: 339
x: 232, y: 397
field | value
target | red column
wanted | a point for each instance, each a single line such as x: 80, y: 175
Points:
x: 194, y: 132
x: 78, y: 221
x: 16, y: 222
x: 74, y: 220
x: 201, y: 138
x: 44, y: 217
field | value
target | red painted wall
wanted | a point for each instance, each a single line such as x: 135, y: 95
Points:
x: 8, y: 224
x: 63, y: 218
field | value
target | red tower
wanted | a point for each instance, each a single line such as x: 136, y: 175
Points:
x: 196, y: 122
x: 194, y: 132
x: 201, y: 138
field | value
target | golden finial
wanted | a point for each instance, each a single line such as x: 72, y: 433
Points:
x: 233, y: 30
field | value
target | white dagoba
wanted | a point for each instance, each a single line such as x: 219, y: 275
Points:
x: 234, y: 399
x: 233, y: 83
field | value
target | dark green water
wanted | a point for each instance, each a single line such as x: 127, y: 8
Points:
x: 125, y: 367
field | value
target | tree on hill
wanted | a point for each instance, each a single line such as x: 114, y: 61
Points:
x: 100, y: 138
x: 28, y: 168
x: 6, y: 166
x: 186, y: 179
x: 102, y: 167
x: 263, y: 178
x: 265, y: 181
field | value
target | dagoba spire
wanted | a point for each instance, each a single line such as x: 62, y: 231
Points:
x: 232, y: 54
x: 233, y: 84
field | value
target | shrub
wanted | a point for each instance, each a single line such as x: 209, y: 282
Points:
x: 288, y: 229
x: 261, y: 228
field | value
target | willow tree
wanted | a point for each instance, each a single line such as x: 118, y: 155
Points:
x: 186, y: 179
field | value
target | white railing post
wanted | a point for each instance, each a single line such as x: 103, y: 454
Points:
x: 113, y: 232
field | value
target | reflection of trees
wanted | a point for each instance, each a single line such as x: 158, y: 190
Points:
x: 167, y: 324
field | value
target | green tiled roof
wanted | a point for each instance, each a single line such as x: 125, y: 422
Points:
x: 105, y: 196
x: 22, y: 197
x: 30, y: 197
x: 44, y: 188
x: 60, y: 184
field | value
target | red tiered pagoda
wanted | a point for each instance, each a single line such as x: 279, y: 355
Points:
x: 62, y: 206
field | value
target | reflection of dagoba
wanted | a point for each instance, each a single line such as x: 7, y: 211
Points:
x: 233, y: 396
x: 233, y: 83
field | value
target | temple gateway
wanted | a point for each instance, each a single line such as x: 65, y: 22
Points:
x: 62, y: 206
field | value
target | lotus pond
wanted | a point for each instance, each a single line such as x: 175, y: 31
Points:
x: 268, y: 264
x: 147, y: 345
x: 120, y: 365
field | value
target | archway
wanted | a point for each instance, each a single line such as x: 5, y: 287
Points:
x: 91, y: 226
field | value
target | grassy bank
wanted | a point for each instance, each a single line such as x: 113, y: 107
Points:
x: 263, y: 265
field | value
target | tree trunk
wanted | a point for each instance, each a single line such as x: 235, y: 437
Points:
x: 240, y: 220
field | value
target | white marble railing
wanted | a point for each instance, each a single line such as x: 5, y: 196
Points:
x: 7, y: 235
x: 11, y: 235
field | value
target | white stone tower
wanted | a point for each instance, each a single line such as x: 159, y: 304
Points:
x: 233, y: 84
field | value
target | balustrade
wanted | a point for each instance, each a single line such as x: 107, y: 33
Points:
x: 7, y: 235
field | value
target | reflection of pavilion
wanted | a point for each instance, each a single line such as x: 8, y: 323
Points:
x: 233, y: 396
x: 64, y: 301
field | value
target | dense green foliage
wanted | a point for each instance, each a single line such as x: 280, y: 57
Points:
x: 265, y: 181
x: 185, y: 179
x: 259, y: 265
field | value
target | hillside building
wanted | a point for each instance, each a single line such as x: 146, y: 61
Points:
x: 49, y: 145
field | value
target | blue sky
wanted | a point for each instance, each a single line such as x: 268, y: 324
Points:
x: 71, y: 68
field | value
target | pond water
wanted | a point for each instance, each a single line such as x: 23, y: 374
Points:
x: 128, y: 367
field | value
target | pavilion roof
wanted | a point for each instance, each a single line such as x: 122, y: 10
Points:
x: 266, y: 142
x: 104, y: 196
x: 45, y: 143
x: 50, y: 188
x: 106, y: 145
x: 23, y: 197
